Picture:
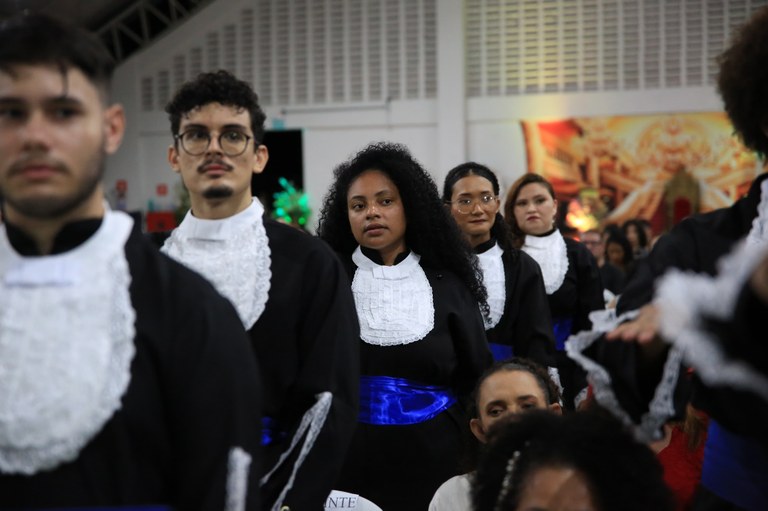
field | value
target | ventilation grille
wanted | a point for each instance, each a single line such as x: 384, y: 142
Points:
x: 532, y: 46
x: 307, y: 52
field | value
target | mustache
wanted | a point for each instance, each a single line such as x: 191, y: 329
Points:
x: 206, y: 163
x: 36, y: 160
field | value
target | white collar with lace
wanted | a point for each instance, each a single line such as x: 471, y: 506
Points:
x: 233, y: 253
x: 394, y: 303
x: 494, y: 280
x: 66, y: 345
x: 552, y: 255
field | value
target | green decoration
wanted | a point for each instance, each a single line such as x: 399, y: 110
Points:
x: 291, y: 205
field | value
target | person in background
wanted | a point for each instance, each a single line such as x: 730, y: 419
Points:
x: 618, y: 252
x: 290, y: 289
x: 611, y: 277
x: 126, y: 378
x: 583, y: 461
x: 634, y: 231
x: 519, y: 320
x: 419, y: 298
x: 509, y: 387
x: 571, y: 278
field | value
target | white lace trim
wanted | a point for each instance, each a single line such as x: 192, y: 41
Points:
x: 552, y: 255
x: 758, y: 234
x: 66, y: 346
x: 686, y: 299
x: 312, y: 423
x: 238, y: 466
x: 394, y: 303
x: 233, y: 253
x: 495, y: 283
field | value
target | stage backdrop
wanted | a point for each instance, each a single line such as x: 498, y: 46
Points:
x: 657, y: 167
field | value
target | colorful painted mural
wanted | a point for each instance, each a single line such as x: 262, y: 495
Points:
x: 657, y: 167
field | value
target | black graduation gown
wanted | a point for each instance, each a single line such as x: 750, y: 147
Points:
x: 526, y: 324
x: 307, y: 342
x: 696, y: 244
x: 580, y: 294
x: 193, y: 396
x: 401, y: 467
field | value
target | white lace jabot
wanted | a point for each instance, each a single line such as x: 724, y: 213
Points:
x: 495, y: 283
x: 233, y: 253
x: 66, y: 345
x: 394, y: 303
x: 551, y: 254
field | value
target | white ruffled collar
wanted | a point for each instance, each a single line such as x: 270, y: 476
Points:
x: 552, y: 255
x: 394, y: 303
x: 758, y: 234
x: 233, y: 253
x: 66, y: 345
x: 494, y: 280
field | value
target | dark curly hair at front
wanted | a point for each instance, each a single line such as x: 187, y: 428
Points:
x: 743, y: 81
x: 620, y: 472
x: 217, y: 87
x: 500, y: 230
x: 430, y: 231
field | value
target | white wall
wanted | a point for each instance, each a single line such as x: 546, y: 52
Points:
x: 441, y: 132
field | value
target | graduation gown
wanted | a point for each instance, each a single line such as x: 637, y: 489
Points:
x: 646, y: 397
x: 524, y: 325
x: 401, y: 466
x: 305, y: 340
x: 189, y: 409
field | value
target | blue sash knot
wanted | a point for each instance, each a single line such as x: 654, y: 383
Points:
x: 389, y: 401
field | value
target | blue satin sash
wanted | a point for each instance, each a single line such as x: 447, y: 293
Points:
x: 269, y: 431
x: 500, y: 351
x: 562, y: 328
x: 735, y: 468
x: 389, y: 401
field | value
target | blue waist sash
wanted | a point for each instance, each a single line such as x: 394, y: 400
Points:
x: 388, y: 401
x: 735, y: 468
x: 270, y: 432
x: 562, y: 328
x: 500, y: 351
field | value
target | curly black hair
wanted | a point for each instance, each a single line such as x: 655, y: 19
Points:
x: 430, y: 230
x: 743, y: 81
x: 621, y: 473
x: 500, y: 230
x: 518, y: 236
x: 217, y: 87
x: 37, y: 39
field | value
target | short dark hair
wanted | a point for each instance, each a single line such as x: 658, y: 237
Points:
x: 621, y: 473
x: 36, y: 39
x: 217, y: 87
x: 500, y: 230
x: 743, y: 81
x: 518, y: 235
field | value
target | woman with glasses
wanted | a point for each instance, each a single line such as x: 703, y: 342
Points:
x: 519, y: 322
x: 571, y: 277
x: 423, y: 346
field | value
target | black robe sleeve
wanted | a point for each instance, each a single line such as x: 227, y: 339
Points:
x: 527, y: 323
x: 306, y: 341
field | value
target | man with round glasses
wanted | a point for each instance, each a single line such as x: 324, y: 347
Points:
x: 289, y: 288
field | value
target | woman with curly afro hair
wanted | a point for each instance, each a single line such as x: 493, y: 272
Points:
x: 419, y: 300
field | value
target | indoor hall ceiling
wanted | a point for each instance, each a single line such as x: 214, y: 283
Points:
x: 125, y: 26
